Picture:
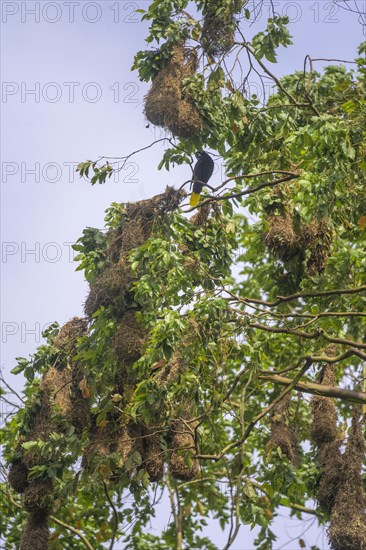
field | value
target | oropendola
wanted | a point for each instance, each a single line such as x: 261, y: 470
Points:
x: 201, y: 174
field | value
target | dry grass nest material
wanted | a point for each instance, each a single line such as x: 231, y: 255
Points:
x: 42, y: 426
x: 282, y: 433
x: 330, y: 460
x: 153, y: 455
x: 170, y: 373
x: 138, y: 226
x: 182, y: 464
x: 285, y: 240
x: 110, y: 288
x: 38, y: 497
x: 129, y: 339
x: 218, y: 31
x: 120, y: 438
x: 165, y: 105
x: 36, y: 534
x: 324, y: 433
x: 69, y: 333
x: 18, y: 476
x: 318, y: 239
x: 56, y: 385
x: 347, y: 530
x: 324, y: 425
x: 281, y: 237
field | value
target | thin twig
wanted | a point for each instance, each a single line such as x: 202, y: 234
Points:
x: 115, y: 515
x: 254, y: 421
x: 298, y: 295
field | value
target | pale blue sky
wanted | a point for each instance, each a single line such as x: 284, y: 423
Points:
x: 45, y: 56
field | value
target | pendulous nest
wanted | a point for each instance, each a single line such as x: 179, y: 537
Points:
x: 153, y: 455
x: 330, y: 460
x: 69, y: 333
x: 109, y: 288
x: 112, y: 287
x: 165, y: 104
x: 219, y: 26
x: 56, y: 385
x: 281, y: 237
x: 318, y: 239
x: 182, y: 464
x: 36, y: 533
x: 37, y: 501
x: 61, y: 382
x: 324, y: 426
x: 170, y: 372
x: 18, y: 476
x: 347, y: 530
x: 287, y: 238
x: 282, y: 433
x: 120, y: 437
x: 324, y: 433
x: 38, y: 496
x: 58, y: 393
x: 129, y: 339
x: 128, y: 440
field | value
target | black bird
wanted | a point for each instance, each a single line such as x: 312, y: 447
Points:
x: 201, y: 174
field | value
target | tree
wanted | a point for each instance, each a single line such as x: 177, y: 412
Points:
x: 223, y: 346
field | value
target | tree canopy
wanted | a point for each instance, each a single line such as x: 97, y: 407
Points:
x: 222, y: 346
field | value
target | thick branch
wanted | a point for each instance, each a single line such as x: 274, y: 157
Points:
x: 318, y: 389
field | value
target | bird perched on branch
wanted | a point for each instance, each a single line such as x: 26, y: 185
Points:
x: 201, y: 174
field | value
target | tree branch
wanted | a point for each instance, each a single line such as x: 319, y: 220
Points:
x: 309, y: 335
x: 255, y: 420
x: 250, y: 190
x: 317, y: 389
x: 115, y: 515
x: 284, y: 299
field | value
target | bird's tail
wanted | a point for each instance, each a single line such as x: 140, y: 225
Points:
x: 195, y: 198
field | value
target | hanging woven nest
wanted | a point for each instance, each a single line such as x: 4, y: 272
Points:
x: 182, y: 464
x: 324, y: 433
x: 347, y: 530
x: 18, y: 476
x: 36, y: 533
x: 283, y: 434
x: 219, y: 26
x: 110, y: 288
x: 129, y: 339
x: 165, y: 104
x: 153, y: 455
x: 317, y: 238
x: 281, y: 237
